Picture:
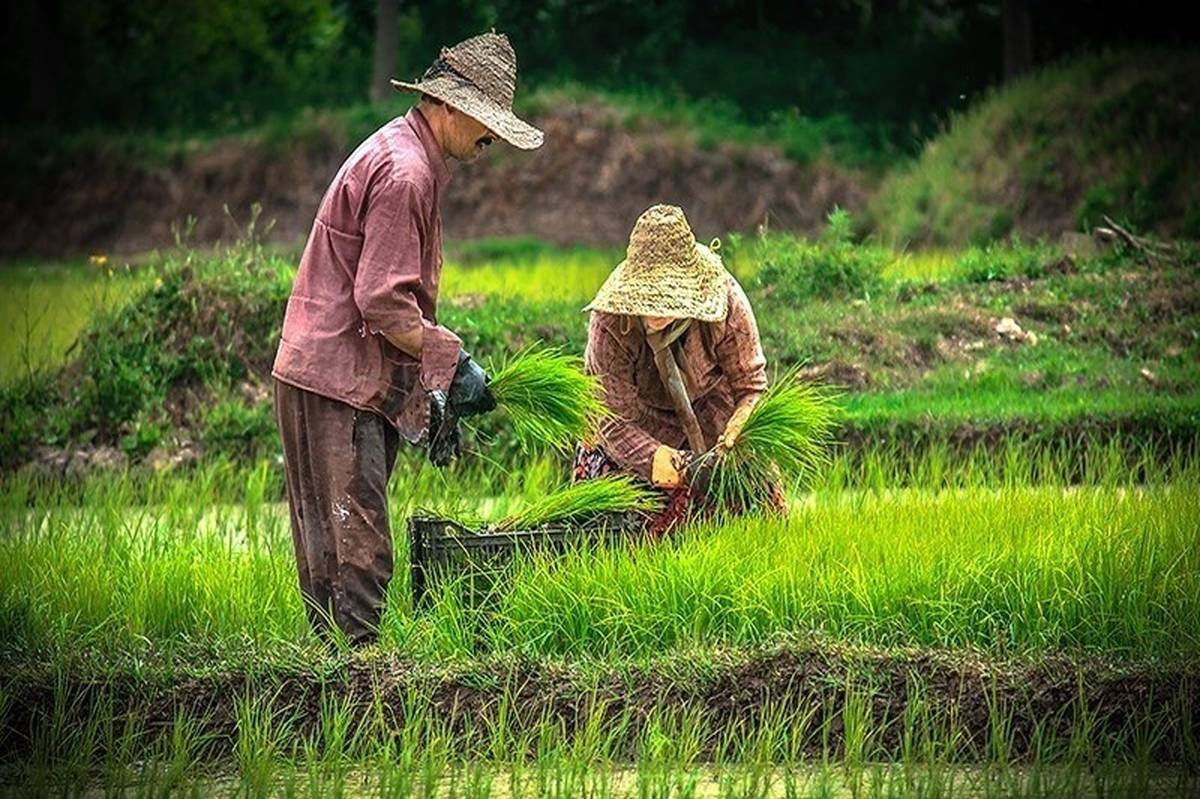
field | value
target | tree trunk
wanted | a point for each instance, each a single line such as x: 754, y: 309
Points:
x: 45, y: 65
x: 1018, y: 38
x: 386, y: 12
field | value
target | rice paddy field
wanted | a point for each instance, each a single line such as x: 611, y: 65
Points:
x: 1011, y: 608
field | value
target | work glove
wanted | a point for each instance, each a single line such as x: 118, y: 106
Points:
x: 666, y: 469
x: 675, y: 468
x: 698, y: 473
x: 445, y: 437
x: 733, y: 428
x: 469, y: 394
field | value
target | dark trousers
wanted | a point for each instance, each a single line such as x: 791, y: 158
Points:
x: 337, y: 460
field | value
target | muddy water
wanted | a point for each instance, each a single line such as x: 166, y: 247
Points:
x: 702, y: 782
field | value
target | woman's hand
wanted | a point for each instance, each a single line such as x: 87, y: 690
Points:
x: 666, y: 470
x: 733, y: 428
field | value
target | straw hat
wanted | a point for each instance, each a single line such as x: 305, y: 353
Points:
x: 666, y: 272
x: 478, y: 77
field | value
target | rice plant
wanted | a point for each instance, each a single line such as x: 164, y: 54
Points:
x: 548, y: 398
x: 785, y: 438
x: 586, y: 499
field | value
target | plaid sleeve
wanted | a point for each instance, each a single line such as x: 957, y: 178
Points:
x: 625, y: 442
x: 739, y: 352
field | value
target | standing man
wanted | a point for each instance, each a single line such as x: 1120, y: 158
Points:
x: 362, y: 361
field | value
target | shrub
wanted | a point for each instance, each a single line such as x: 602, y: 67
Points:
x: 144, y: 435
x: 1003, y: 261
x: 232, y: 426
x: 27, y: 410
x: 791, y: 269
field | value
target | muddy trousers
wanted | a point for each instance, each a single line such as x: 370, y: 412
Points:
x: 337, y: 461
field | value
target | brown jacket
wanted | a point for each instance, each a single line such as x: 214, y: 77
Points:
x: 722, y: 363
x: 372, y: 263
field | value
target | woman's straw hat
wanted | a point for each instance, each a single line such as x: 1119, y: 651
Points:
x: 666, y: 272
x: 478, y: 77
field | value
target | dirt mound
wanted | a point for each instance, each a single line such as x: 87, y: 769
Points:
x: 591, y: 180
x: 586, y: 185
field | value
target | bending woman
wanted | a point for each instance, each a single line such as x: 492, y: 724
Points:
x: 673, y: 340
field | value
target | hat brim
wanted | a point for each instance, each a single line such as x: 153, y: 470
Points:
x: 468, y: 99
x: 648, y: 290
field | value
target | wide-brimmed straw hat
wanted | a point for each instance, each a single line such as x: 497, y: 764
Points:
x: 478, y: 77
x: 666, y: 272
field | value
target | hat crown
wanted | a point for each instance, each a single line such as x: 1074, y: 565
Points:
x: 666, y: 272
x: 660, y: 236
x: 489, y: 62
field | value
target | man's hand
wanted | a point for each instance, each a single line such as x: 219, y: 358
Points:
x: 469, y: 394
x: 445, y: 437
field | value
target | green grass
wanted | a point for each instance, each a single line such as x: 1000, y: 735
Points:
x: 44, y: 308
x: 338, y: 745
x: 585, y: 500
x: 922, y: 265
x: 1030, y: 569
x: 527, y: 269
x: 115, y: 569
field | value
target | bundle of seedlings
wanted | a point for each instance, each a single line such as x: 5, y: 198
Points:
x: 785, y: 441
x: 548, y: 398
x: 585, y: 501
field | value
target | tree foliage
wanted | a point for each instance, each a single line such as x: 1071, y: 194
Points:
x: 223, y: 63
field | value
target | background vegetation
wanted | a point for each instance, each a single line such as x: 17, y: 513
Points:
x: 885, y: 72
x: 1096, y: 345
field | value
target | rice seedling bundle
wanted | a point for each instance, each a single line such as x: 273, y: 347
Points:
x: 548, y: 397
x: 786, y: 437
x: 586, y: 499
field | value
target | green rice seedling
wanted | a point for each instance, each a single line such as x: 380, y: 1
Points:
x: 585, y: 499
x: 786, y: 436
x: 262, y: 741
x: 548, y: 398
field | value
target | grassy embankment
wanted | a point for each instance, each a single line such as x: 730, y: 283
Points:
x: 1106, y: 344
x: 704, y: 122
x: 1105, y: 134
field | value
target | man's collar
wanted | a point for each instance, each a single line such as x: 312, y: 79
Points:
x: 433, y: 151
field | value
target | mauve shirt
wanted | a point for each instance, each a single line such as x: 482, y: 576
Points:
x: 372, y: 263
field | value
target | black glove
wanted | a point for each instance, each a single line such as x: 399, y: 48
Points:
x: 469, y: 393
x: 445, y: 437
x: 698, y: 472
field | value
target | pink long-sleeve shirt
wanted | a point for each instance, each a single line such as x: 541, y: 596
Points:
x: 372, y: 264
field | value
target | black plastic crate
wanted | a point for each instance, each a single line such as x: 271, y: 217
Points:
x: 443, y: 545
